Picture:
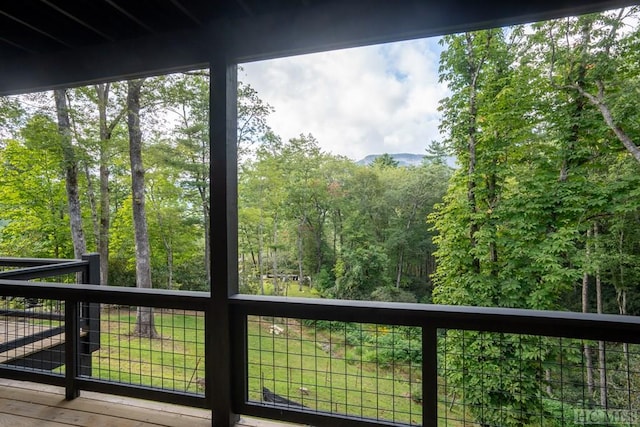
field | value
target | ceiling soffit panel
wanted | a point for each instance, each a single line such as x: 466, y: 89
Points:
x: 54, y: 43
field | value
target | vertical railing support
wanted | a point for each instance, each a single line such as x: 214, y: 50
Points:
x: 429, y: 376
x: 91, y: 311
x: 239, y: 363
x: 91, y: 276
x: 71, y: 348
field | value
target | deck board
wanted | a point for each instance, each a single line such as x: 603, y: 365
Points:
x: 29, y: 349
x: 7, y: 420
x: 24, y: 404
x: 11, y: 330
x: 47, y: 404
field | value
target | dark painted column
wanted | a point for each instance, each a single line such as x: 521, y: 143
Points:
x: 224, y: 230
x: 429, y: 375
x: 71, y: 348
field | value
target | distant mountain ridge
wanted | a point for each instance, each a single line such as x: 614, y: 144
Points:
x: 403, y: 159
x: 406, y: 159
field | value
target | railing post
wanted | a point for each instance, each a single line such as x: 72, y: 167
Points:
x: 239, y: 351
x: 91, y: 311
x: 91, y: 275
x: 71, y: 348
x: 429, y: 375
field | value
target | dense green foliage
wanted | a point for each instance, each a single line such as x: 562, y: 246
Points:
x: 543, y: 212
x: 353, y: 230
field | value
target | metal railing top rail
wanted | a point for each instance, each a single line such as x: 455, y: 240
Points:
x: 161, y: 298
x: 593, y: 326
x: 45, y: 270
x: 31, y: 262
x: 609, y: 327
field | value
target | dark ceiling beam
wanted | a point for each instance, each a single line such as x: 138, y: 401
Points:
x: 185, y: 11
x: 16, y: 45
x: 318, y: 27
x: 243, y: 4
x: 146, y: 56
x: 77, y: 20
x: 35, y: 29
x: 351, y: 23
x: 130, y: 16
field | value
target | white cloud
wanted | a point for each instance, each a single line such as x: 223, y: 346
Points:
x: 357, y: 101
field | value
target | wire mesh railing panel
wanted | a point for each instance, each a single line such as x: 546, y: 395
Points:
x: 157, y: 348
x: 364, y: 371
x: 496, y: 379
x: 32, y: 334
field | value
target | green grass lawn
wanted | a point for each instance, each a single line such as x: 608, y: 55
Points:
x: 296, y: 364
x: 173, y: 362
x: 337, y: 381
x: 291, y: 289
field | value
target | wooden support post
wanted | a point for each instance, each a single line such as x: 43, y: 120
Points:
x: 224, y: 230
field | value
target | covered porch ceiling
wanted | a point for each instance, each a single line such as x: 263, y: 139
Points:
x: 56, y: 43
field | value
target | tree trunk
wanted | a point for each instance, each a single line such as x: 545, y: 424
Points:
x: 71, y: 173
x: 399, y: 275
x: 578, y: 110
x: 102, y: 92
x: 299, y: 245
x: 622, y: 307
x: 589, y: 367
x: 475, y: 65
x: 492, y: 187
x: 145, y: 326
x: 599, y: 102
x: 260, y: 257
x: 167, y: 242
x: 621, y: 296
x: 318, y: 233
x: 602, y: 368
x: 169, y: 265
x: 414, y: 210
x: 335, y: 234
x: 91, y: 195
x: 602, y: 361
x: 585, y: 309
x: 274, y: 259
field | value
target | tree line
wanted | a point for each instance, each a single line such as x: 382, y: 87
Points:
x: 117, y: 168
x: 123, y: 169
x: 357, y: 232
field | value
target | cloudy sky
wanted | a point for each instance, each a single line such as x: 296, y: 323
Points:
x: 371, y: 100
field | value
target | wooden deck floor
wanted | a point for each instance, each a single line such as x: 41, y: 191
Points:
x: 25, y: 404
x: 12, y: 330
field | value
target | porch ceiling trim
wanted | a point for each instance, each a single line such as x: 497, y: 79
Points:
x: 279, y: 28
